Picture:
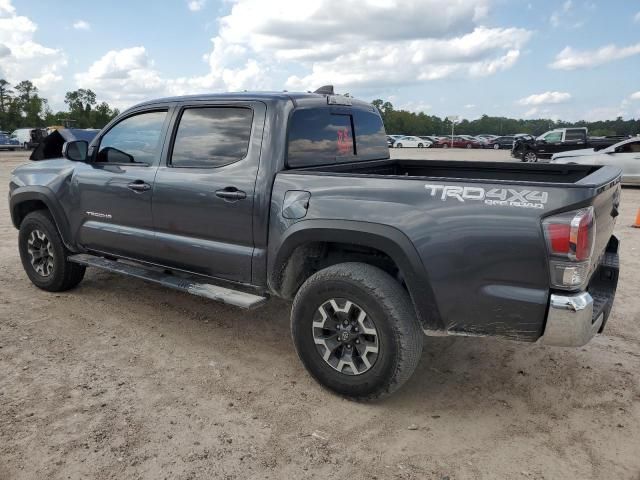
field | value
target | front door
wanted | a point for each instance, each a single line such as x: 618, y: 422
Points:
x: 114, y: 189
x: 204, y: 192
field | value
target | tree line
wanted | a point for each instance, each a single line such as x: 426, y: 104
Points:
x: 22, y: 106
x: 410, y: 123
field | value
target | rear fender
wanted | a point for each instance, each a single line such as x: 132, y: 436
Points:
x: 386, y: 239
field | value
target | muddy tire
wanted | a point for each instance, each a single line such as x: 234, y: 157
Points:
x: 355, y: 331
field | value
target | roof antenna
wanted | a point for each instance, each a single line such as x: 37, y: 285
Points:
x: 325, y: 90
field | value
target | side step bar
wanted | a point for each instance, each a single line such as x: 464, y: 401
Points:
x: 207, y: 290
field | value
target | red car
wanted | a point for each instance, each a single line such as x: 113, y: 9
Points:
x: 458, y: 142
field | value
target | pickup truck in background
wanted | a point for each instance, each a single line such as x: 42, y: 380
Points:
x: 239, y: 197
x: 556, y: 141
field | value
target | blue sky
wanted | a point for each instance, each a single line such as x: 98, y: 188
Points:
x: 571, y: 60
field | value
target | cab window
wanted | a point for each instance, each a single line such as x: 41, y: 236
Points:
x: 631, y: 147
x: 553, y: 137
x: 321, y: 136
x: 134, y: 140
x: 212, y: 137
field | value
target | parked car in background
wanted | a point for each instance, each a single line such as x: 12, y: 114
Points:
x: 497, y: 143
x: 390, y: 141
x: 459, y: 142
x: 7, y: 142
x: 559, y: 140
x: 411, y: 141
x: 429, y: 138
x: 624, y: 155
x: 29, y: 137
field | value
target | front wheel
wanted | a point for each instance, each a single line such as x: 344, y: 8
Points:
x: 469, y: 145
x: 496, y: 146
x: 530, y: 156
x: 44, y: 256
x: 420, y: 145
x: 445, y: 145
x: 399, y: 145
x: 355, y: 330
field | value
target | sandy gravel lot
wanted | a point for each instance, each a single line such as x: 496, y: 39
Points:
x: 121, y: 379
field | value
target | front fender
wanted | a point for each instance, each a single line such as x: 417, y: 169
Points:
x: 22, y: 196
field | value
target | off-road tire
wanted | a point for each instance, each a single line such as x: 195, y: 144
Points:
x: 64, y: 275
x: 390, y: 309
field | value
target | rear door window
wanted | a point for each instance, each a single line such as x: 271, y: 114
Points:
x: 211, y: 137
x: 573, y: 135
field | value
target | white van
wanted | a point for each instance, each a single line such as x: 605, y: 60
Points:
x: 25, y: 138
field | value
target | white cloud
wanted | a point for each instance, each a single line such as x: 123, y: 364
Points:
x: 81, y: 25
x: 22, y: 57
x: 290, y: 44
x: 415, y: 46
x: 123, y: 77
x: 416, y: 107
x: 635, y: 96
x: 470, y: 105
x: 196, y: 5
x: 545, y: 98
x: 636, y: 17
x: 570, y: 59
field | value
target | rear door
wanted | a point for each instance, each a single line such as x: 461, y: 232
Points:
x: 204, y: 191
x: 115, y: 187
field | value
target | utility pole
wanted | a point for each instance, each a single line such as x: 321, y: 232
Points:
x: 453, y: 119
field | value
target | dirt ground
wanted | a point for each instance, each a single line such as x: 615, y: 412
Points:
x: 122, y: 379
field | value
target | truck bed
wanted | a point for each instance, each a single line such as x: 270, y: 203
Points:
x: 469, y: 171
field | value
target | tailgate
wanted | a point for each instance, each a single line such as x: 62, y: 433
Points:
x: 606, y: 202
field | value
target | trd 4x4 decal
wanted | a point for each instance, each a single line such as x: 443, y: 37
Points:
x: 505, y: 197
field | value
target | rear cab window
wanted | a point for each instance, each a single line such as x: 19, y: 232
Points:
x: 325, y: 135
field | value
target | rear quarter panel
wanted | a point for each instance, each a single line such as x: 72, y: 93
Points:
x: 486, y: 264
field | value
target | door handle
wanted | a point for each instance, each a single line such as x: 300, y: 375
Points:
x: 139, y: 186
x: 231, y: 194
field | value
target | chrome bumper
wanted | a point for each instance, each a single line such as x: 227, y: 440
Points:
x: 570, y: 320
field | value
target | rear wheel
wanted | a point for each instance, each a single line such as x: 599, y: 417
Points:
x: 44, y: 256
x: 25, y: 146
x: 420, y: 145
x: 445, y: 145
x: 496, y: 146
x: 355, y: 330
x: 469, y: 145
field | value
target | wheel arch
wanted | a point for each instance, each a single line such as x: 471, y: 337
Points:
x: 300, y: 253
x: 25, y: 201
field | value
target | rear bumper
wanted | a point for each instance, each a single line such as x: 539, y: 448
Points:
x: 574, y: 319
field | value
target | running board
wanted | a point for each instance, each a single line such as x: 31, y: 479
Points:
x: 207, y: 290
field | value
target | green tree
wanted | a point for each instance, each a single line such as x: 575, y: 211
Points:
x: 81, y: 103
x: 30, y: 104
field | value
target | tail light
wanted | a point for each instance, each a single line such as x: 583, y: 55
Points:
x: 570, y: 240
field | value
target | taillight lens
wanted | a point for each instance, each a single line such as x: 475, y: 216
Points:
x: 570, y: 240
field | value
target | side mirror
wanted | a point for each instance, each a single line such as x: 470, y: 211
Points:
x: 76, y: 150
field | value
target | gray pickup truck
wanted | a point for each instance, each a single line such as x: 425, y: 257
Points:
x: 238, y: 197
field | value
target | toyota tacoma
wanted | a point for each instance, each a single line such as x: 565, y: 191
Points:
x: 240, y: 197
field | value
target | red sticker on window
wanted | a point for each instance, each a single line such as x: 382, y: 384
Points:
x: 345, y: 144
